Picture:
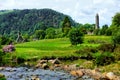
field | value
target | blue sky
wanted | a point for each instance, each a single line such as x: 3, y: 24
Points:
x: 82, y: 11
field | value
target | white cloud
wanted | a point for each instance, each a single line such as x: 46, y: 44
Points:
x: 82, y: 11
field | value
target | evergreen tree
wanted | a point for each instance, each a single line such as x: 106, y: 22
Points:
x: 66, y: 26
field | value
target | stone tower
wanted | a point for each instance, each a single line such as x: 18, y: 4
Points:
x: 97, y: 21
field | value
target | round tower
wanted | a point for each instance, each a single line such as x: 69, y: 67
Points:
x: 97, y: 21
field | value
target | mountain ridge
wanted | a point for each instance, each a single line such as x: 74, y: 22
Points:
x: 28, y: 20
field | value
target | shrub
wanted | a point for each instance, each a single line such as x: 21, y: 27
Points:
x: 102, y: 59
x: 8, y: 48
x: 2, y: 78
x: 39, y: 34
x: 20, y: 60
x: 96, y: 41
x: 108, y: 32
x: 106, y: 47
x: 50, y: 33
x: 87, y: 53
x: 117, y: 53
x: 5, y: 40
x: 76, y: 37
x: 116, y: 37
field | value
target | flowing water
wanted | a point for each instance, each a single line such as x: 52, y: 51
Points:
x: 23, y: 73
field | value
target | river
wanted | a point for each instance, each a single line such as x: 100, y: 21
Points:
x: 24, y: 73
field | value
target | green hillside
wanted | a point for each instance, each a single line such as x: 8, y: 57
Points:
x: 28, y: 20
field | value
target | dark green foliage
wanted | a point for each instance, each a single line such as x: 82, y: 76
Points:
x: 115, y: 26
x: 106, y: 47
x: 87, y: 53
x: 83, y: 29
x: 20, y: 60
x: 28, y: 21
x: 103, y: 30
x: 89, y: 27
x: 5, y: 40
x: 26, y: 38
x: 76, y: 37
x: 66, y: 26
x: 116, y: 20
x: 117, y: 52
x: 97, y: 32
x: 50, y: 33
x: 116, y: 38
x: 108, y: 32
x: 2, y: 78
x: 39, y: 34
x: 98, y: 41
x: 102, y: 59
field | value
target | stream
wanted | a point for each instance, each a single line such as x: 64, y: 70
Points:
x: 24, y: 73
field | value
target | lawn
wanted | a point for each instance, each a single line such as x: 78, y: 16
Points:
x: 53, y: 47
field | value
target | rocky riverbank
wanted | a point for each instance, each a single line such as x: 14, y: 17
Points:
x: 55, y: 70
x: 76, y: 71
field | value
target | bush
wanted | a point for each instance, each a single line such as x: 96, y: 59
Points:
x: 96, y: 41
x: 106, y: 47
x: 108, y: 32
x: 87, y: 53
x: 8, y: 48
x: 76, y: 37
x: 117, y: 53
x: 2, y: 78
x: 50, y: 33
x: 97, y: 32
x: 4, y: 40
x: 116, y: 38
x: 102, y: 59
x: 39, y: 34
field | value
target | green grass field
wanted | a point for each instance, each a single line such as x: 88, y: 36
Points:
x: 53, y: 47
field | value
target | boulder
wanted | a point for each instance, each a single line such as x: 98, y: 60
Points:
x: 96, y: 74
x: 110, y: 75
x: 50, y: 61
x: 2, y: 75
x: 42, y: 61
x: 45, y: 66
x: 35, y: 78
x: 78, y: 73
x: 2, y: 68
x: 73, y: 73
x: 56, y: 61
x: 70, y: 67
x: 39, y: 65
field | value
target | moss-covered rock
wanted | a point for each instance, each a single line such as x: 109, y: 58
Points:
x: 2, y: 77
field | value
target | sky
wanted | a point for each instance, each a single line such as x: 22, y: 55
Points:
x: 82, y: 11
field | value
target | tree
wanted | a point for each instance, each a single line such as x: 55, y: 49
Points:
x: 116, y: 20
x: 115, y: 26
x: 109, y: 32
x: 96, y: 31
x: 104, y: 29
x: 116, y: 38
x: 39, y: 34
x: 50, y: 33
x: 76, y: 36
x: 66, y: 26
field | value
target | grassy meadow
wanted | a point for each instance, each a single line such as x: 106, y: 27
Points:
x: 59, y: 47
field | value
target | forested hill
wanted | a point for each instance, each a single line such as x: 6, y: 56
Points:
x: 29, y: 20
